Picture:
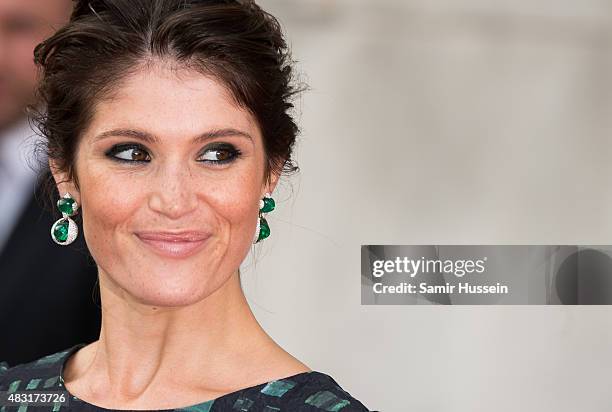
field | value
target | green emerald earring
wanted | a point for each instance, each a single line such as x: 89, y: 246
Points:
x: 266, y: 205
x: 64, y: 230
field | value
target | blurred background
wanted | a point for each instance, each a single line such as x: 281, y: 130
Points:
x: 442, y: 122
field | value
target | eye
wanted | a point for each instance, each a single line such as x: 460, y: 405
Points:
x: 220, y: 153
x: 129, y: 153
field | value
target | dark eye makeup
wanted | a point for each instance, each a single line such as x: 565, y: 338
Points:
x: 215, y: 153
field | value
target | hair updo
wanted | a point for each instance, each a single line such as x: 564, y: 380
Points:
x: 235, y: 42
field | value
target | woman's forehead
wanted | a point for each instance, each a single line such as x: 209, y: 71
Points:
x: 167, y: 101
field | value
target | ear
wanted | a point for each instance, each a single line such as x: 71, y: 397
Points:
x: 63, y: 183
x: 271, y: 184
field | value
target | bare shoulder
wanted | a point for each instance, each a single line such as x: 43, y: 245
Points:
x: 274, y: 363
x: 77, y: 363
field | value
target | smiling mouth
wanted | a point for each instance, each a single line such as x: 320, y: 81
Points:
x: 173, y: 245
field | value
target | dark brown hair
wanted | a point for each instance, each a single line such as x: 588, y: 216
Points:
x: 105, y: 41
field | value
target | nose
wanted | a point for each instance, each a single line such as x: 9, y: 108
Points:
x: 174, y: 192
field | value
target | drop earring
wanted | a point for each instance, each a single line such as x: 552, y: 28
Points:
x: 266, y: 205
x: 64, y: 231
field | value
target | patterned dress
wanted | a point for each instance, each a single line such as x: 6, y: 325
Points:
x: 304, y: 392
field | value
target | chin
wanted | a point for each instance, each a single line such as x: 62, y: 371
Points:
x: 164, y: 296
x: 171, y: 286
x: 167, y: 301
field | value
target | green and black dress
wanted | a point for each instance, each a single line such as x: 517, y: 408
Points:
x: 304, y: 392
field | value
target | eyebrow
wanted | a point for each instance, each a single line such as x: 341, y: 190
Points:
x: 150, y: 138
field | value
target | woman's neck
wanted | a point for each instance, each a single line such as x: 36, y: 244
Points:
x: 210, y: 348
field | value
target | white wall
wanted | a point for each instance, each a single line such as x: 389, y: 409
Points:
x: 443, y: 122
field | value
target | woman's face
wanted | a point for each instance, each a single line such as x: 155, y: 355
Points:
x: 170, y: 174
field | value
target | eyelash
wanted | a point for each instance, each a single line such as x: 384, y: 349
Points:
x: 234, y: 153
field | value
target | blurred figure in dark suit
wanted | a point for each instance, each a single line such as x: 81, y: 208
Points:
x: 35, y: 273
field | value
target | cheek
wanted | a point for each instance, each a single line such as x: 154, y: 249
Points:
x: 109, y: 203
x: 236, y: 207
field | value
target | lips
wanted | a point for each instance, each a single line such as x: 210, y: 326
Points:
x: 173, y: 244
